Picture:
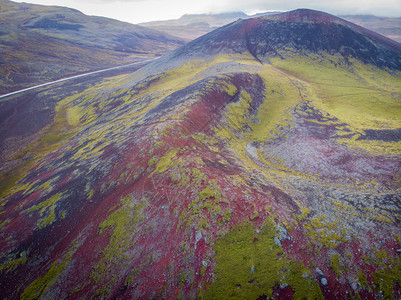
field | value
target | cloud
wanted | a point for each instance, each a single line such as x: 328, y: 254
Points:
x: 112, y: 1
x: 383, y: 7
x: 136, y: 11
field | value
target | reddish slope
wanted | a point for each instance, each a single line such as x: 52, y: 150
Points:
x: 125, y: 169
x: 311, y: 16
x: 187, y: 184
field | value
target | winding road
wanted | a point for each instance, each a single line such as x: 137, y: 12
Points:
x: 72, y: 77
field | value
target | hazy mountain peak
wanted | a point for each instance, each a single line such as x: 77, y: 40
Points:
x: 227, y: 15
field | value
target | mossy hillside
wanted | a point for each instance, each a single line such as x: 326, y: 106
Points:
x: 85, y: 107
x: 273, y: 119
x: 51, y: 139
x: 39, y: 286
x: 359, y: 95
x: 281, y: 95
x: 82, y: 109
x: 202, y: 204
x: 199, y: 196
x: 72, y: 113
x: 88, y: 152
x: 274, y: 115
x: 284, y: 91
x: 65, y: 126
x: 323, y: 232
x: 92, y: 103
x: 374, y: 147
x: 206, y: 208
x: 163, y: 163
x: 47, y: 210
x: 335, y: 264
x: 376, y: 269
x: 302, y: 90
x: 191, y: 72
x: 249, y: 264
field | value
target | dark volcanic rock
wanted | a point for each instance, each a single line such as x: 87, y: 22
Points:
x: 386, y: 135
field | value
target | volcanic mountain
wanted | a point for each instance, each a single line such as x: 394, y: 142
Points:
x: 261, y: 160
x: 303, y: 32
x: 190, y: 27
x: 43, y: 43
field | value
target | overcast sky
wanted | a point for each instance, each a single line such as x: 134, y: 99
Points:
x: 135, y: 11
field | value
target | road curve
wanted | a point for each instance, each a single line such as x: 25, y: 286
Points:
x: 72, y: 77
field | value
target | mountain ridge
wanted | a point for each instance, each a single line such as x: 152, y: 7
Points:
x: 42, y: 43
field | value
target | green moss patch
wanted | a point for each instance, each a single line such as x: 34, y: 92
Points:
x: 249, y: 264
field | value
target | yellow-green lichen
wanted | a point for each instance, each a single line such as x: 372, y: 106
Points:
x: 37, y: 288
x: 387, y: 277
x: 165, y: 161
x: 13, y: 261
x: 47, y: 210
x: 335, y: 263
x: 363, y: 280
x: 121, y: 226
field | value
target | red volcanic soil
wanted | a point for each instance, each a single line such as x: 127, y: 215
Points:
x: 316, y: 17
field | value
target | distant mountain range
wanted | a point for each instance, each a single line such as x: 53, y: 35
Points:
x: 259, y: 161
x: 42, y: 43
x: 389, y: 27
x: 190, y: 27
